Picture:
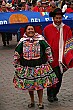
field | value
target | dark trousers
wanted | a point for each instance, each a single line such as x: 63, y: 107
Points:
x: 6, y: 37
x: 54, y: 91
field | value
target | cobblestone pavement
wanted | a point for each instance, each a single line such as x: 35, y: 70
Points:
x: 13, y: 99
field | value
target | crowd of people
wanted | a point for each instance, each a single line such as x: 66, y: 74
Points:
x: 37, y: 5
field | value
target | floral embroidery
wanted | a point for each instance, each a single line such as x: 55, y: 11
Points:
x: 31, y: 50
x: 34, y: 78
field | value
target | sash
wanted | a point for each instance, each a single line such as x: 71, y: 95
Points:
x: 61, y: 45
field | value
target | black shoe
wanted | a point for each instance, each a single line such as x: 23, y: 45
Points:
x: 41, y: 106
x: 55, y: 99
x: 50, y: 99
x: 4, y: 44
x: 31, y: 105
x: 8, y: 42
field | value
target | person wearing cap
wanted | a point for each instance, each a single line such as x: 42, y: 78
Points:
x: 44, y: 6
x: 52, y: 6
x: 37, y: 8
x: 29, y: 3
x: 9, y: 7
x: 24, y: 5
x: 3, y: 7
x: 59, y: 36
x: 70, y: 9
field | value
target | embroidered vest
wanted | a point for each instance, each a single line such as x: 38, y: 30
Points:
x: 31, y: 50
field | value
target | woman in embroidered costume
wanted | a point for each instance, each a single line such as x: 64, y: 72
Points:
x: 32, y: 69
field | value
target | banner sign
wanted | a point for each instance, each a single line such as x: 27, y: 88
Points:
x: 12, y: 21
